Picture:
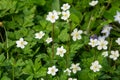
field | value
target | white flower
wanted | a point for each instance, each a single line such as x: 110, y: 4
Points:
x: 105, y: 53
x: 39, y: 35
x: 76, y: 34
x: 68, y: 71
x: 118, y: 41
x: 114, y: 55
x: 54, y: 11
x: 117, y: 17
x: 61, y: 51
x: 65, y: 7
x: 21, y: 43
x: 72, y: 79
x: 102, y: 44
x: 52, y: 70
x: 93, y: 42
x: 101, y: 37
x: 106, y: 30
x: 65, y: 15
x: 52, y: 16
x: 95, y: 66
x: 42, y: 79
x: 85, y: 32
x: 93, y: 3
x: 75, y: 68
x: 49, y: 40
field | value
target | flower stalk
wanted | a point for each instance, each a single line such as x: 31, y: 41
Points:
x: 1, y: 37
x: 53, y: 41
x: 6, y: 42
x: 67, y: 58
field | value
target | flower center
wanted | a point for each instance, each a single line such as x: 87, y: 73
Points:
x: 65, y: 15
x: 22, y: 43
x: 93, y: 42
x: 76, y: 34
x: 40, y: 35
x: 65, y: 7
x: 52, y: 70
x: 61, y: 51
x: 53, y: 17
x: 95, y: 67
x: 102, y: 44
x: 115, y: 55
x: 75, y: 68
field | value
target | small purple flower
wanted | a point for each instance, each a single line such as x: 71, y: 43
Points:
x: 94, y: 36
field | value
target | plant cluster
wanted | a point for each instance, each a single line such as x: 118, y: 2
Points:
x: 59, y: 40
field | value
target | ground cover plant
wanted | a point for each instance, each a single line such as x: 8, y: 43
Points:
x: 59, y: 39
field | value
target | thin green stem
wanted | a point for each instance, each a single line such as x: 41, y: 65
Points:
x: 95, y: 55
x: 53, y: 41
x: 6, y: 42
x: 13, y: 70
x: 69, y: 38
x: 88, y: 27
x: 109, y: 1
x: 68, y: 44
x: 1, y: 37
x: 110, y: 44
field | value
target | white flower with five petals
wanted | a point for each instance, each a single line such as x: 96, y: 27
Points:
x: 117, y: 17
x: 39, y: 35
x: 52, y: 16
x: 75, y: 68
x: 93, y: 42
x: 95, y: 66
x: 48, y: 40
x: 102, y: 44
x: 65, y: 15
x: 76, y: 34
x: 52, y: 70
x: 118, y: 41
x: 21, y: 43
x: 114, y: 55
x: 65, y: 7
x: 61, y: 51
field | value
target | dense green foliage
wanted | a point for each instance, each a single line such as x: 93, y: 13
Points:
x: 24, y: 18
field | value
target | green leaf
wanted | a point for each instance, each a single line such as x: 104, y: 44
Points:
x: 74, y: 18
x: 2, y: 58
x: 63, y: 77
x: 37, y: 64
x: 5, y: 78
x: 105, y: 76
x: 20, y: 62
x: 56, y: 5
x: 41, y: 72
x: 83, y: 75
x: 75, y: 47
x: 43, y: 23
x: 30, y: 78
x: 39, y: 2
x: 28, y: 70
x: 64, y: 36
x: 68, y: 1
x: 29, y: 15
